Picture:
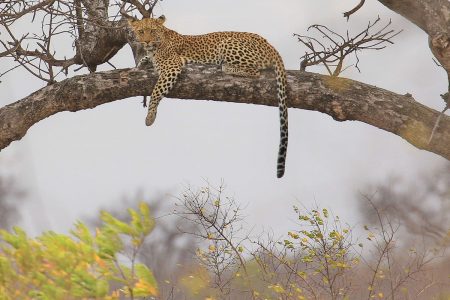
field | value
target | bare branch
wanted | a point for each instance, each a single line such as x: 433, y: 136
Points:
x: 79, y: 19
x: 355, y: 9
x: 124, y: 13
x: 219, y: 223
x: 152, y: 6
x: 84, y: 24
x: 140, y: 7
x: 7, y: 16
x: 342, y: 46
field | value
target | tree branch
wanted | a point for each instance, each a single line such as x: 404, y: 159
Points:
x: 341, y: 98
x: 432, y: 16
x: 9, y: 17
x: 429, y: 15
x: 355, y: 9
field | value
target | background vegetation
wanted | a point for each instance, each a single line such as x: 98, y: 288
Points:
x: 204, y: 249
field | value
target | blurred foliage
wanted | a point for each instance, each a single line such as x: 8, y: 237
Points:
x: 80, y: 265
x: 206, y: 251
x: 168, y: 251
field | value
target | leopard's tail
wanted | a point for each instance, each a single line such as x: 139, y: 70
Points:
x: 281, y: 93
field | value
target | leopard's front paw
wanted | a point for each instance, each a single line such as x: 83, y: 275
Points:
x: 150, y: 119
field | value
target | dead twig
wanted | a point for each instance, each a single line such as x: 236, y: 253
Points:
x: 332, y: 48
x: 355, y: 9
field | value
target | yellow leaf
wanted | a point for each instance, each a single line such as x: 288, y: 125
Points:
x: 293, y: 235
x: 277, y: 288
x: 143, y: 288
x: 100, y: 261
x: 302, y: 274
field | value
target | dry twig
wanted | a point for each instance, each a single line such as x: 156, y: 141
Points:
x: 355, y: 9
x: 333, y: 47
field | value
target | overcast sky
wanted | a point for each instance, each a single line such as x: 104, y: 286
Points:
x: 74, y: 163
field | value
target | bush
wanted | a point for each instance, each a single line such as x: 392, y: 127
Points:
x: 80, y: 265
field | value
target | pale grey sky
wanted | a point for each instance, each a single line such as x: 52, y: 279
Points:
x: 73, y: 163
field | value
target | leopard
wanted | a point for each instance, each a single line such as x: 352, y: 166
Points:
x: 237, y: 53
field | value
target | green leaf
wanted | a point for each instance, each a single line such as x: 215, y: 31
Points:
x: 102, y: 288
x: 135, y: 221
x: 116, y: 225
x: 148, y: 223
x: 109, y: 243
x: 145, y: 273
x: 146, y: 285
x: 82, y: 232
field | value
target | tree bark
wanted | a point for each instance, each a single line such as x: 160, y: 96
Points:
x: 341, y: 98
x: 433, y: 17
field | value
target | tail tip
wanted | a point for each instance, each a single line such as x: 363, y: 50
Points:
x: 280, y: 173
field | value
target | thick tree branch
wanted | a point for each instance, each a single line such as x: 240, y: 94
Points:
x: 433, y: 17
x: 342, y: 99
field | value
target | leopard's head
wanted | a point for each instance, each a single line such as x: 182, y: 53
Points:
x: 148, y: 31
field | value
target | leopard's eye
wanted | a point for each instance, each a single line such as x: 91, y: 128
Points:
x: 141, y: 31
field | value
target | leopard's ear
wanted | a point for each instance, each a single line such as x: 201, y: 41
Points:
x: 162, y: 19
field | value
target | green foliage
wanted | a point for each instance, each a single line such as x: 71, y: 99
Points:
x: 80, y: 265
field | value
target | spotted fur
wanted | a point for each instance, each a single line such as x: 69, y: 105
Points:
x: 239, y: 53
